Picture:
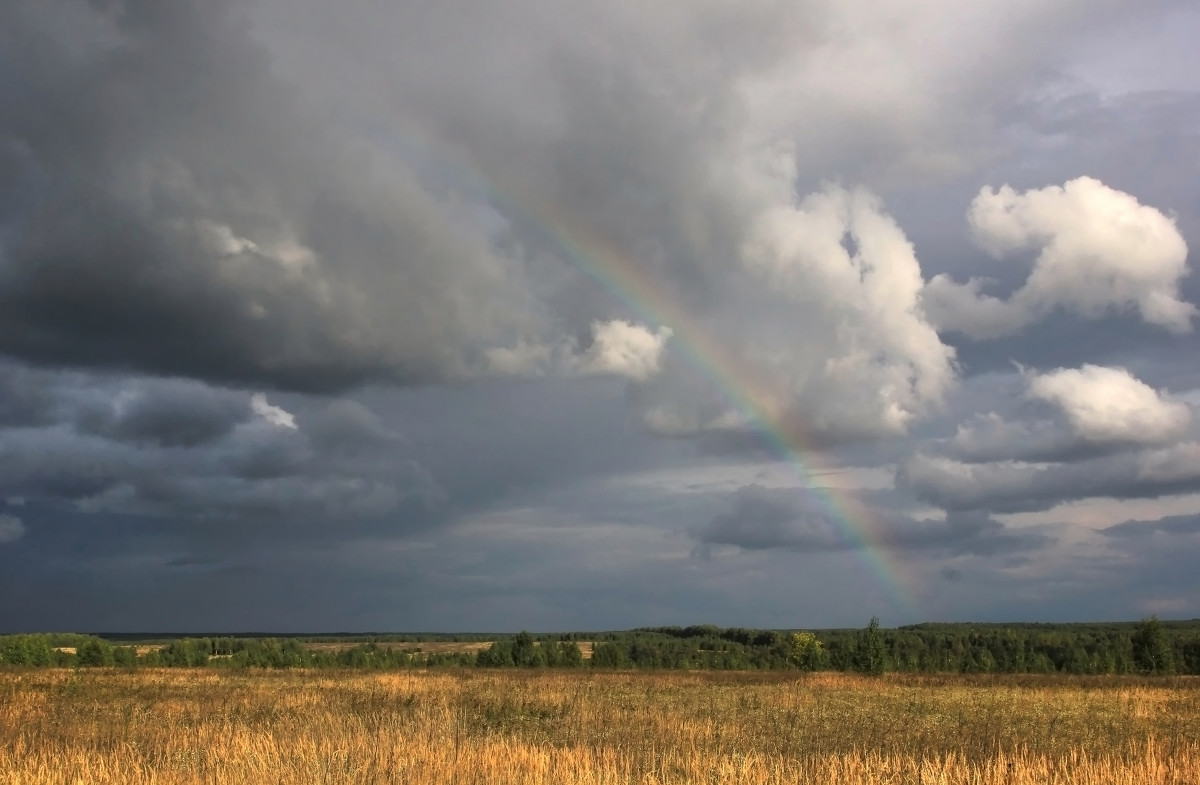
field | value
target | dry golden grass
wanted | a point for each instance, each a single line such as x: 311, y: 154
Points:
x: 467, y: 727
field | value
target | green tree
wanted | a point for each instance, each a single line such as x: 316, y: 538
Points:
x: 94, y: 653
x: 609, y: 655
x: 569, y: 655
x: 549, y: 652
x: 14, y: 650
x: 1151, y: 647
x: 524, y: 651
x: 806, y: 652
x: 124, y: 656
x: 1080, y: 661
x: 1190, y: 656
x: 42, y: 655
x: 498, y: 655
x: 184, y: 653
x: 872, y: 654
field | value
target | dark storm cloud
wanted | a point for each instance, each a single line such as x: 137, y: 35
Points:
x: 1154, y: 565
x: 1077, y: 583
x: 184, y: 450
x: 21, y: 397
x: 11, y: 529
x: 174, y: 207
x: 167, y: 413
x: 766, y: 518
x: 951, y: 574
x: 348, y: 427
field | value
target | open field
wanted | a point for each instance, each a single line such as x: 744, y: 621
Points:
x: 429, y: 647
x: 432, y: 647
x: 140, y: 648
x: 472, y: 726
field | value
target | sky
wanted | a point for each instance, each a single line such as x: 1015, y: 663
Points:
x: 466, y: 316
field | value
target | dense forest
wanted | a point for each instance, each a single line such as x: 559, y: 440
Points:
x: 1147, y: 647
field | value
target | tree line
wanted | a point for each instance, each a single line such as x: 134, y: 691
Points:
x: 1147, y: 647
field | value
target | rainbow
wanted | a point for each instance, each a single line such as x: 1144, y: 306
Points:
x: 742, y: 385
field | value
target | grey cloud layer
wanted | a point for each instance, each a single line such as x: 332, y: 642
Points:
x: 11, y: 529
x: 1174, y: 525
x: 767, y: 518
x: 183, y: 200
x: 1007, y: 487
x: 1098, y: 432
x: 217, y: 217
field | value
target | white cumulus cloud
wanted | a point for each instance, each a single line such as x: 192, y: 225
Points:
x: 618, y: 348
x: 274, y: 415
x: 625, y: 349
x: 841, y: 261
x: 1099, y: 251
x: 1111, y: 405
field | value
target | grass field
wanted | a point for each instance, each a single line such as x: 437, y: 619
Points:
x: 199, y: 726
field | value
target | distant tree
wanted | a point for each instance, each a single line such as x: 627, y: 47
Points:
x: 1080, y: 662
x: 768, y: 639
x: 498, y: 655
x: 806, y: 652
x: 524, y: 651
x: 184, y: 653
x: 94, y: 653
x: 609, y: 655
x: 42, y: 654
x: 1041, y: 663
x: 872, y: 654
x: 1190, y: 656
x: 569, y: 655
x: 979, y: 660
x: 124, y: 656
x: 1151, y: 647
x: 14, y: 650
x: 548, y: 651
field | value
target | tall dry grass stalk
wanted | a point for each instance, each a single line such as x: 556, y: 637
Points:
x: 461, y: 728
